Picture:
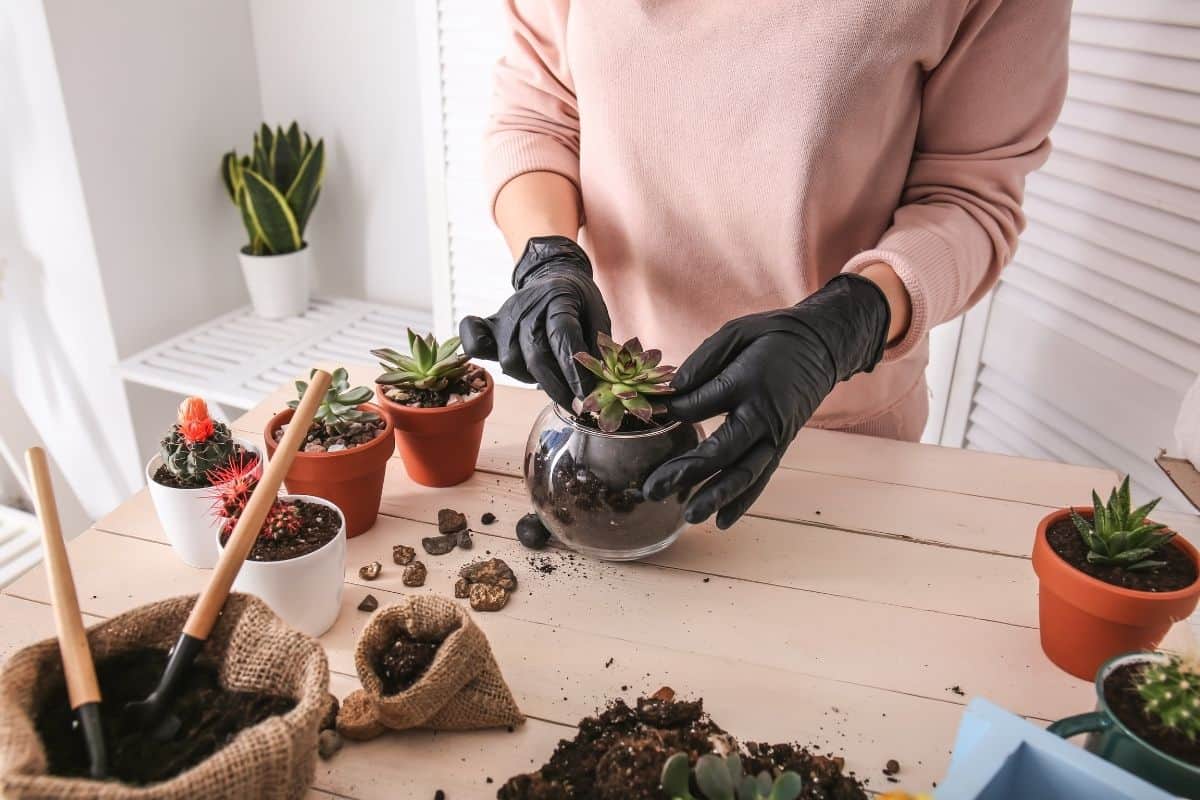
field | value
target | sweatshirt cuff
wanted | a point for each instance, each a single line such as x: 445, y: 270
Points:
x: 927, y: 267
x: 510, y: 154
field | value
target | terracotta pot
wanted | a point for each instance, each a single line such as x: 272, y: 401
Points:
x: 440, y: 445
x: 350, y: 479
x: 1085, y: 621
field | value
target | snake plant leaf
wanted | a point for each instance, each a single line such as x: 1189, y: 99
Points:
x: 295, y: 139
x: 713, y: 778
x: 273, y: 219
x: 267, y: 138
x: 287, y: 161
x: 256, y: 246
x: 303, y: 191
x: 230, y: 174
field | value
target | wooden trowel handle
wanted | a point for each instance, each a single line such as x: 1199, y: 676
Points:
x: 208, y: 607
x: 82, y: 686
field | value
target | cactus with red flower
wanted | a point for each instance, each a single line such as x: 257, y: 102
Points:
x: 196, y: 445
x: 232, y: 486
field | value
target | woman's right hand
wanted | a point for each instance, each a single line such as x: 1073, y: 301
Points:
x: 555, y: 312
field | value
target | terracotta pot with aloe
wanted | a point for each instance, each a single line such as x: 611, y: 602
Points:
x: 1110, y: 581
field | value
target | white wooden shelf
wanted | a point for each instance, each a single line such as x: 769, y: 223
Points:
x: 20, y: 545
x: 238, y: 358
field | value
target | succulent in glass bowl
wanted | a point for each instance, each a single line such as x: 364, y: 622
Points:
x: 584, y: 471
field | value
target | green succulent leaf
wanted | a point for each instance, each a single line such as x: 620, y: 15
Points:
x: 713, y: 778
x: 675, y: 778
x: 787, y: 787
x: 1118, y: 535
x: 272, y: 218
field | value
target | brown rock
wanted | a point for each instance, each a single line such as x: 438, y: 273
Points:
x: 403, y: 554
x: 328, y: 744
x: 331, y: 711
x: 451, y: 521
x: 439, y: 545
x: 462, y: 588
x: 414, y: 574
x: 487, y: 597
x: 369, y: 572
x: 369, y: 603
x: 464, y: 540
x: 492, y: 572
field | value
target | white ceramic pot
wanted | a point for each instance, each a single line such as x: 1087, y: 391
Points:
x: 186, y: 515
x: 306, y: 592
x: 279, y: 285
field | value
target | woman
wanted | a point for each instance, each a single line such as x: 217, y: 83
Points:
x: 823, y: 182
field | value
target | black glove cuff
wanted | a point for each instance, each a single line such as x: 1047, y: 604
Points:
x: 544, y: 252
x: 858, y: 317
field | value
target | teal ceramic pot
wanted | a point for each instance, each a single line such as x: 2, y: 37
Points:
x: 1110, y: 739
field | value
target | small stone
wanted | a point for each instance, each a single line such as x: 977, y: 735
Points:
x: 369, y: 572
x: 486, y: 597
x: 403, y: 554
x: 328, y: 743
x: 313, y: 447
x: 462, y: 588
x: 454, y: 399
x: 329, y: 721
x: 665, y: 694
x: 369, y: 603
x: 891, y: 767
x: 531, y: 532
x: 464, y: 540
x: 488, y: 518
x: 492, y: 572
x: 439, y: 545
x: 451, y: 521
x: 414, y: 574
x: 335, y: 448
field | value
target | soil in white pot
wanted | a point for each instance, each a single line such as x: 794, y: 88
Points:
x: 319, y: 524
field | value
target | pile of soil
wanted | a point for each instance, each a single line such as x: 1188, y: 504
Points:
x: 1124, y: 701
x: 211, y: 715
x: 619, y: 754
x: 403, y: 662
x: 165, y: 477
x: 323, y: 439
x: 1178, y: 573
x: 319, y: 524
x: 458, y: 391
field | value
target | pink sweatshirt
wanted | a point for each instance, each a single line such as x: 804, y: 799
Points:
x: 734, y: 155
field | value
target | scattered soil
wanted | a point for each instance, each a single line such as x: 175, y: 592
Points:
x: 1125, y: 702
x: 488, y: 518
x: 165, y: 477
x: 318, y: 525
x: 1178, y: 573
x: 405, y: 660
x: 620, y: 752
x: 323, y: 439
x: 211, y: 717
x: 460, y: 391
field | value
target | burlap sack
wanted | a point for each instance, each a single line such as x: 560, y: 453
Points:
x: 253, y: 650
x: 462, y: 689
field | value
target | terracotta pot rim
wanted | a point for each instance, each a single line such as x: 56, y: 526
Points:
x: 1178, y: 541
x: 308, y: 498
x: 388, y: 430
x: 399, y: 408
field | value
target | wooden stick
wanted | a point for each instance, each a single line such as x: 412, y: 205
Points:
x: 80, y: 672
x: 208, y: 607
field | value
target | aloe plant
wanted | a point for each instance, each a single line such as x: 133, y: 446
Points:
x: 276, y: 188
x: 628, y: 378
x: 1121, y: 537
x: 723, y: 779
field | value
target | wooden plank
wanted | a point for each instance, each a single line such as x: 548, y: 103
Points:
x: 644, y: 606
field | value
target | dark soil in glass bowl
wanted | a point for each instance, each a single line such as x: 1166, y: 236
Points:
x: 586, y: 485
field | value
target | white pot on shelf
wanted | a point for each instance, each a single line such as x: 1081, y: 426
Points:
x: 186, y: 515
x: 280, y: 286
x: 306, y: 592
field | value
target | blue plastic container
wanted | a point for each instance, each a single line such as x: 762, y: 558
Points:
x: 999, y: 756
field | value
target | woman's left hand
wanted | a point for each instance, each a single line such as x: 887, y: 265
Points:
x: 767, y: 372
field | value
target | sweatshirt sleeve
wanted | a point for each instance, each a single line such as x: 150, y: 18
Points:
x: 534, y: 125
x: 987, y: 108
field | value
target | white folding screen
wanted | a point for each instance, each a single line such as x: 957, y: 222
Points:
x: 1093, y: 335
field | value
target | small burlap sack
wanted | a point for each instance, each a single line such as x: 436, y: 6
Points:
x: 252, y: 649
x: 461, y: 690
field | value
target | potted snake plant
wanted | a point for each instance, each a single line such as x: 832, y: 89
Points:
x: 276, y: 189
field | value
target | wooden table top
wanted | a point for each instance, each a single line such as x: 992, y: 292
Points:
x: 874, y: 589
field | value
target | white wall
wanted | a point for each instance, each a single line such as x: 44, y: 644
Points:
x: 155, y: 92
x: 348, y: 71
x: 56, y: 343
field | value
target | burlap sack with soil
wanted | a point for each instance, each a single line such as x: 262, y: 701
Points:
x: 253, y: 650
x: 461, y: 690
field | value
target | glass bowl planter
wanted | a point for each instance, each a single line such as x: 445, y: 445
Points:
x: 586, y: 485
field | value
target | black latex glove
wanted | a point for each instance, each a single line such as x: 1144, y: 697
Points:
x: 555, y: 312
x: 768, y: 372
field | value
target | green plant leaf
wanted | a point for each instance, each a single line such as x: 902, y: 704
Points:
x: 295, y: 139
x: 230, y: 174
x: 763, y: 783
x: 1139, y: 514
x: 303, y: 191
x: 676, y: 776
x: 787, y: 787
x: 287, y: 161
x: 1132, y: 556
x: 256, y: 246
x: 638, y: 406
x: 1099, y: 519
x: 1146, y: 564
x: 713, y: 778
x: 1081, y: 525
x: 395, y: 377
x: 448, y: 348
x: 387, y: 354
x: 1123, y: 503
x: 422, y: 354
x: 610, y: 417
x: 356, y: 396
x: 272, y: 217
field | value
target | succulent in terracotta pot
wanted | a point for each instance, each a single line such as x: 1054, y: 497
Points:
x: 190, y: 456
x: 584, y: 471
x: 1111, y: 580
x: 345, y: 454
x: 437, y: 400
